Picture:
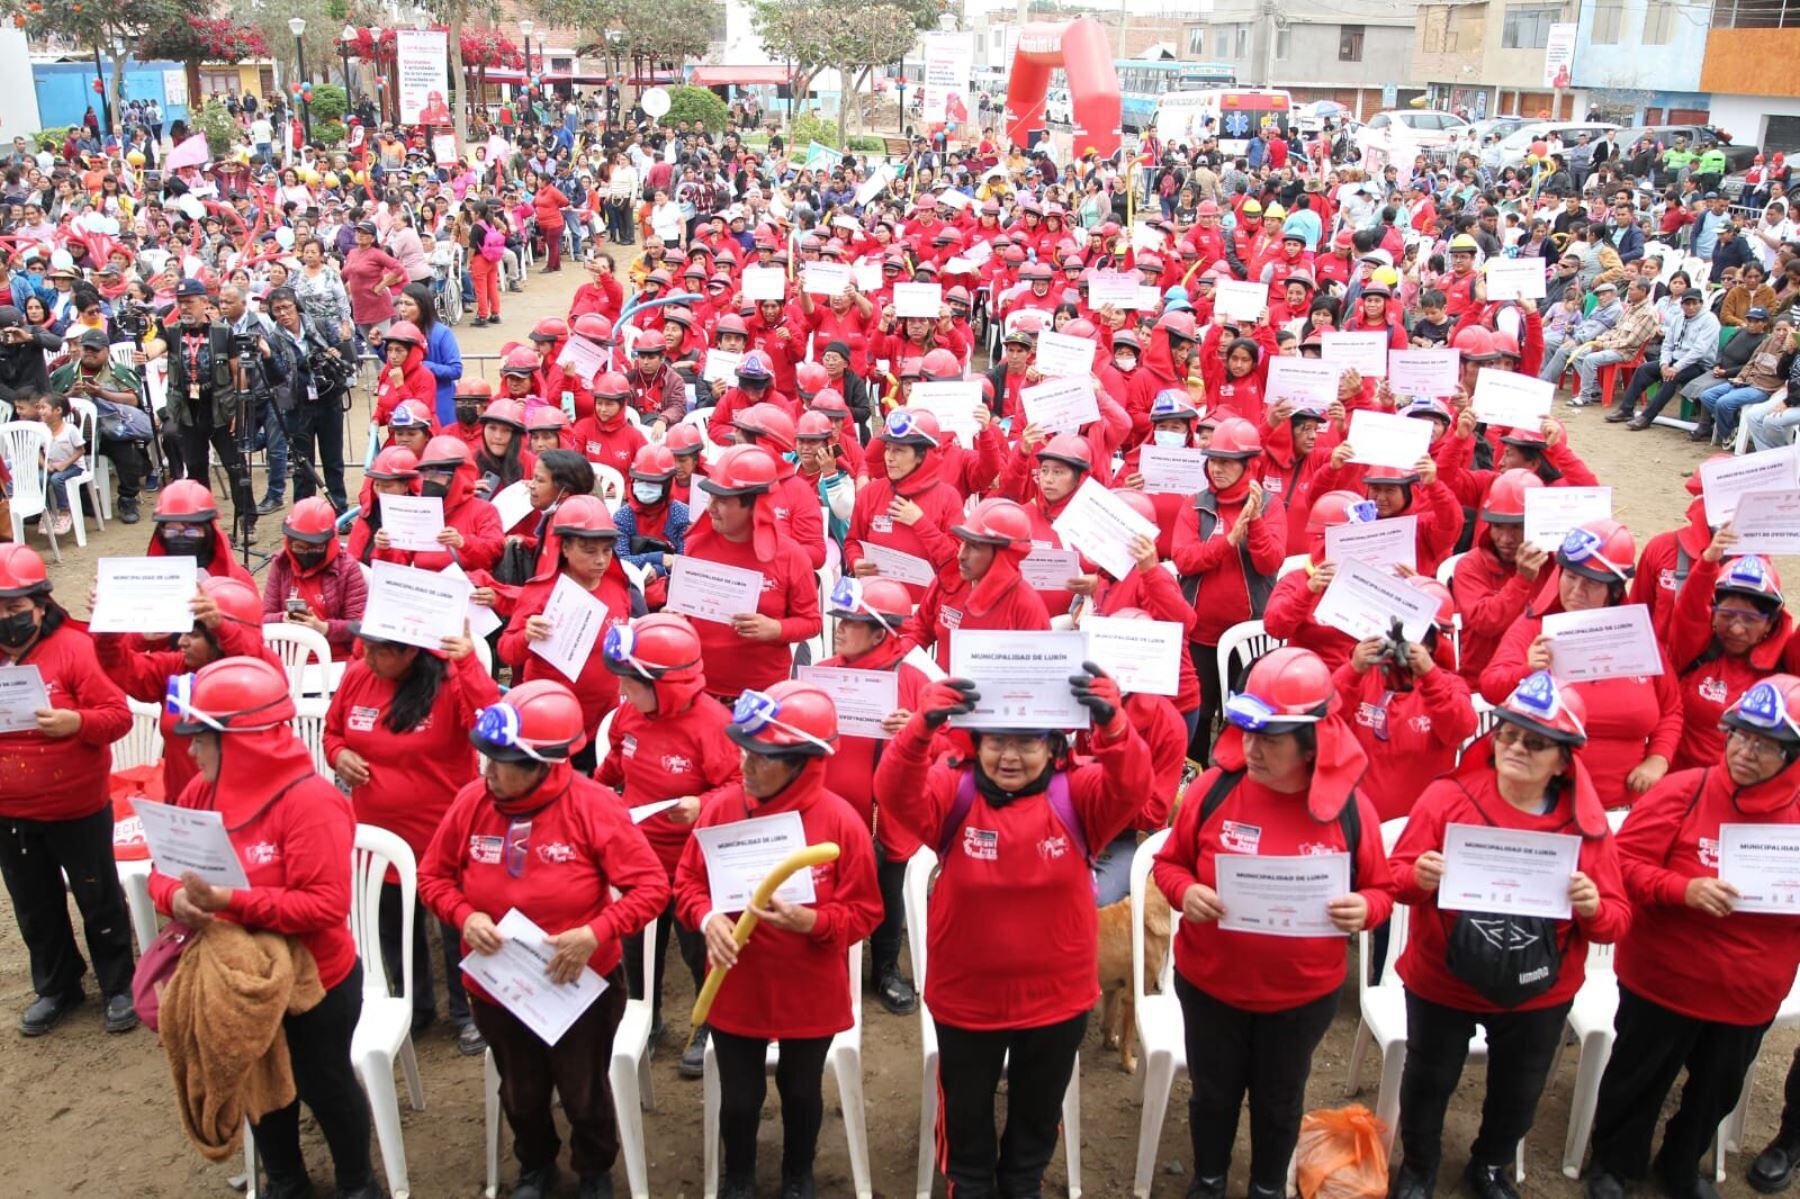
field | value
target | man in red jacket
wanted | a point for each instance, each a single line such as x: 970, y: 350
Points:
x: 1496, y: 579
x: 987, y: 591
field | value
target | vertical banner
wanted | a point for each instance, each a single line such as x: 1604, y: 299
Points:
x: 949, y: 61
x: 424, y: 74
x: 1559, y: 58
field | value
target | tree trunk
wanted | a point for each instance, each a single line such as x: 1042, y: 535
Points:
x: 195, y: 101
x: 459, y: 82
x: 118, y: 88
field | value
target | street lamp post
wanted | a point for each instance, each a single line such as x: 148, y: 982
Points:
x: 297, y: 27
x: 525, y: 28
x: 345, y: 37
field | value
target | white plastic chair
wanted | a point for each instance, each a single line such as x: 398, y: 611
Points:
x: 134, y: 877
x: 1447, y: 568
x: 23, y: 444
x: 602, y: 739
x: 609, y: 485
x: 309, y: 725
x: 298, y: 647
x: 96, y: 468
x: 484, y: 654
x: 1243, y: 642
x: 1731, y: 1130
x: 1383, y: 1019
x: 1293, y: 562
x: 143, y: 743
x: 917, y: 890
x: 845, y: 1059
x: 1161, y: 1032
x: 632, y: 1089
x: 1486, y: 717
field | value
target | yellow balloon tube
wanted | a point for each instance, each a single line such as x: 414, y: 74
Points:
x: 804, y: 859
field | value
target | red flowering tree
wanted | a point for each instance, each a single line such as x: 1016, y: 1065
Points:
x: 191, y: 40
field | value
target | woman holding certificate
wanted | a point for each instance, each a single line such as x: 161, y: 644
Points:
x: 791, y: 981
x: 1635, y: 721
x: 534, y: 838
x: 1513, y: 970
x: 1256, y: 1003
x: 1709, y: 958
x: 1730, y: 629
x: 986, y: 591
x: 912, y: 508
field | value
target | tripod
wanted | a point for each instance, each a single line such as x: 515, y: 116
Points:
x: 243, y: 432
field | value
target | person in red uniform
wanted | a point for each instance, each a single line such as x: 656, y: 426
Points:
x: 684, y: 441
x: 532, y: 834
x: 293, y: 834
x: 312, y: 582
x: 755, y: 384
x: 1393, y: 491
x: 1284, y: 781
x: 472, y: 398
x: 657, y: 389
x: 403, y: 375
x: 395, y: 471
x: 1529, y: 774
x: 666, y: 742
x: 1669, y: 558
x: 1230, y: 542
x: 501, y: 458
x: 652, y: 523
x: 795, y: 499
x: 608, y: 437
x: 986, y: 591
x: 1043, y: 474
x: 739, y: 528
x: 791, y: 981
x: 1495, y: 580
x: 1013, y: 927
x: 187, y: 525
x: 1296, y: 451
x: 1699, y: 980
x: 585, y: 539
x: 411, y: 425
x: 1635, y: 722
x: 55, y: 812
x: 397, y: 734
x: 912, y: 509
x: 472, y: 536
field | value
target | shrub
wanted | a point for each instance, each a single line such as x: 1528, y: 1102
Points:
x: 696, y: 104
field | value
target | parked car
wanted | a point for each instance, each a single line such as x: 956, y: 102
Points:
x: 1510, y: 151
x: 1737, y: 157
x: 1431, y: 129
x: 1478, y: 133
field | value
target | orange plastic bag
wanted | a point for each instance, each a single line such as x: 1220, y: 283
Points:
x: 1340, y: 1155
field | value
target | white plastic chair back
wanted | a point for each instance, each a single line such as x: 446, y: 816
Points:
x: 309, y: 725
x: 1242, y: 644
x: 609, y: 485
x: 1293, y: 562
x: 1141, y: 862
x: 603, y: 744
x: 143, y: 744
x: 298, y: 647
x: 1447, y: 568
x: 23, y: 444
x: 376, y: 850
x: 121, y: 353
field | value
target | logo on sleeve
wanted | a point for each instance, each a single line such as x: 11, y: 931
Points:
x: 1713, y: 691
x: 1239, y: 837
x: 362, y: 718
x: 881, y: 524
x: 981, y: 844
x: 629, y: 746
x: 486, y: 851
x: 1708, y: 852
x: 677, y: 763
x: 263, y: 853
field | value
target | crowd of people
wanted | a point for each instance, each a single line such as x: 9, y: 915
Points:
x: 832, y: 382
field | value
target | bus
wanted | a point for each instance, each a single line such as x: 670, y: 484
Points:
x: 1142, y: 83
x: 1234, y: 114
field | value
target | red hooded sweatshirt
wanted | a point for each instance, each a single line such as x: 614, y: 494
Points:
x: 1240, y: 395
x: 1711, y: 681
x: 1293, y: 477
x: 293, y: 833
x: 416, y: 383
x: 1155, y: 591
x: 223, y: 561
x: 929, y: 537
x: 851, y: 771
x: 475, y: 519
x: 414, y: 775
x: 1227, y: 595
x: 1289, y: 616
x: 680, y: 751
x: 598, y: 688
x: 1472, y: 796
x: 1675, y: 955
x: 788, y: 984
x: 999, y: 600
x: 790, y: 594
x: 1409, y: 736
x: 1491, y: 595
x: 579, y: 845
x: 1668, y: 558
x: 1440, y: 516
x: 63, y: 778
x: 614, y: 443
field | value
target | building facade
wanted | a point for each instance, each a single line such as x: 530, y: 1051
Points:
x: 1346, y: 51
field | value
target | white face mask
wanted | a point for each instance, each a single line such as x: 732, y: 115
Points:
x: 1125, y: 362
x: 1171, y: 437
x: 646, y: 493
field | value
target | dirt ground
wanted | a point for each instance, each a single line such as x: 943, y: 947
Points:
x: 89, y: 1114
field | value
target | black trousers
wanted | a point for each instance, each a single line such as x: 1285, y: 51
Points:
x: 1789, y: 1132
x: 970, y: 1063
x: 1206, y: 665
x: 130, y: 463
x: 34, y: 856
x: 1265, y: 1054
x: 1650, y: 374
x: 319, y: 1047
x: 884, y: 942
x: 1521, y: 1046
x: 1654, y: 1045
x: 575, y: 1069
x: 799, y: 1079
x: 690, y: 944
x: 318, y: 429
x: 424, y: 999
x: 195, y: 440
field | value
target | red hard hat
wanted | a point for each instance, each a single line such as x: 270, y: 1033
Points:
x: 519, y: 361
x: 22, y: 572
x: 911, y: 426
x: 443, y: 452
x: 505, y: 412
x: 741, y: 470
x: 1752, y: 576
x: 941, y: 365
x: 815, y: 426
x: 1446, y: 610
x: 1543, y: 707
x: 1069, y: 448
x: 1082, y: 328
x: 1139, y: 503
x: 1770, y: 709
x: 234, y: 695
x: 675, y: 314
x: 767, y: 420
x: 186, y: 501
x: 958, y: 295
x: 405, y: 332
x: 731, y: 322
x: 1504, y: 503
x: 1506, y: 344
x: 789, y: 719
x: 546, y: 418
x: 612, y: 385
x: 659, y: 277
x: 237, y: 600
x: 870, y: 601
x: 594, y: 327
x: 537, y: 721
x: 1339, y: 508
x: 1150, y: 262
x: 1035, y: 272
x: 830, y: 401
x: 1235, y: 438
x: 683, y: 439
x: 1476, y: 343
x: 996, y: 522
x: 313, y: 520
x: 479, y: 388
x: 394, y: 463
x: 755, y: 368
x: 809, y: 377
x: 653, y: 463
x: 659, y: 647
x: 583, y: 516
x: 650, y: 343
x: 1287, y: 688
x: 1603, y: 550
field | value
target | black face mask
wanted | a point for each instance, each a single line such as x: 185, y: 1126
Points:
x: 466, y: 414
x: 198, y: 547
x: 307, y: 559
x: 434, y: 489
x: 19, y: 628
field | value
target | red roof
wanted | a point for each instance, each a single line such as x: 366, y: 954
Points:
x: 719, y: 76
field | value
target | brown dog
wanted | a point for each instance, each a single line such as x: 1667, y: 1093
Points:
x: 1118, y: 1018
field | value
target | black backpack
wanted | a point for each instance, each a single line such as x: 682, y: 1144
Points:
x: 1507, y: 959
x: 1349, y: 817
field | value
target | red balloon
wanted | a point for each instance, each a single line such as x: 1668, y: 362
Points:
x: 1540, y: 148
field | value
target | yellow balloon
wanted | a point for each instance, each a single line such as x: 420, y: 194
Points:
x: 331, y: 180
x: 308, y: 176
x: 135, y: 158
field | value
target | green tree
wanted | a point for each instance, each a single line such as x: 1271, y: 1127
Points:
x: 104, y: 27
x: 852, y: 38
x: 696, y: 104
x: 192, y: 40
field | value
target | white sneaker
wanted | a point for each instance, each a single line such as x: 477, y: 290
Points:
x: 61, y: 523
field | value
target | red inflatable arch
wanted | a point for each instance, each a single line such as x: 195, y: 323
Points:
x: 1081, y: 49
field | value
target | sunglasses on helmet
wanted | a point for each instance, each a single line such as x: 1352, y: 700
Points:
x: 758, y: 710
x: 847, y: 596
x: 1763, y: 708
x: 1541, y: 699
x: 620, y: 645
x: 905, y: 424
x: 498, y: 725
x: 1253, y: 714
x: 1584, y: 545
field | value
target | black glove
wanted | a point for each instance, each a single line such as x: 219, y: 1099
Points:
x: 949, y: 697
x: 1098, y: 693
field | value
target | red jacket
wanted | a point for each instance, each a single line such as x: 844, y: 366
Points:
x: 1667, y: 559
x: 1490, y: 595
x: 1560, y: 467
x: 63, y: 778
x: 1289, y: 616
x: 1410, y: 737
x: 1471, y: 796
x: 414, y: 775
x: 799, y: 515
x: 1001, y: 600
x: 334, y: 592
x: 1710, y: 680
x: 851, y: 771
x: 580, y: 844
x: 1156, y: 592
x: 670, y: 756
x: 476, y: 520
x: 1225, y: 596
x: 598, y: 688
x: 1013, y: 929
x: 611, y: 445
x: 1293, y: 479
x: 1440, y: 516
x: 788, y: 984
x: 1675, y: 955
x: 547, y: 205
x: 790, y: 594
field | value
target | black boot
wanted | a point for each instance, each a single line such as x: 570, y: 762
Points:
x: 597, y: 1187
x: 1489, y: 1182
x: 536, y: 1184
x: 1701, y: 432
x: 896, y: 993
x: 1686, y: 1184
x: 1773, y: 1168
x: 47, y: 1011
x: 1600, y: 1184
x: 738, y: 1188
x: 799, y: 1186
x: 693, y: 1058
x: 1206, y: 1188
x: 1408, y: 1185
x: 287, y: 1188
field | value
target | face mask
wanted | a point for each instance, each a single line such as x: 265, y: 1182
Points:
x: 19, y: 628
x: 465, y: 414
x: 435, y: 489
x: 1170, y: 437
x: 647, y: 493
x: 307, y: 559
x: 184, y: 547
x: 1125, y: 362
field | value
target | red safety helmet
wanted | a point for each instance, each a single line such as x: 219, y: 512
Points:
x: 1476, y: 344
x: 659, y: 277
x: 583, y: 516
x: 394, y: 463
x: 911, y: 426
x: 996, y: 522
x: 410, y: 414
x: 1395, y: 476
x: 1695, y: 484
x: 1171, y: 403
x: 731, y: 322
x: 649, y: 343
x: 404, y: 332
x: 1082, y: 328
x: 683, y: 439
x: 480, y: 389
x: 445, y: 453
x: 595, y: 328
x: 741, y: 470
x: 769, y: 421
x: 653, y: 463
x: 1504, y: 503
x: 675, y: 314
x: 313, y: 521
x: 1070, y: 449
x: 1150, y: 262
x: 815, y: 426
x: 1339, y: 508
x: 1752, y: 576
x: 538, y: 721
x: 505, y: 411
x: 810, y: 377
x: 755, y: 371
x: 831, y: 402
x: 1603, y: 550
x: 790, y: 719
x: 1179, y: 325
x: 519, y: 361
x: 22, y: 572
x: 1235, y: 438
x: 186, y: 501
x: 663, y: 650
x: 1286, y: 689
x: 545, y: 418
x: 911, y: 368
x: 941, y: 365
x: 1770, y: 709
x: 612, y: 386
x: 237, y: 600
x: 1138, y: 502
x: 1035, y: 272
x: 1506, y: 344
x: 870, y: 601
x: 234, y: 695
x: 1540, y: 705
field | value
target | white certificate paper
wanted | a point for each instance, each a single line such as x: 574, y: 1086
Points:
x: 1763, y: 862
x: 1060, y: 405
x: 413, y: 606
x: 482, y: 620
x: 1388, y: 439
x: 1424, y: 372
x: 924, y: 300
x: 1511, y: 400
x: 583, y: 358
x: 1602, y: 643
x: 764, y: 283
x: 22, y: 697
x: 518, y: 976
x: 1507, y: 872
x: 1310, y: 386
x: 1363, y: 601
x: 1515, y: 279
x: 512, y: 502
x: 1235, y: 300
x: 825, y: 278
x: 712, y: 590
x: 183, y: 839
x: 576, y: 619
x: 1059, y: 356
x: 741, y: 854
x: 863, y: 697
x: 1143, y: 655
x: 953, y: 402
x: 143, y: 595
x: 1175, y: 470
x: 1767, y: 522
x: 1364, y: 353
x: 1378, y: 543
x: 1722, y: 482
x: 1550, y: 512
x: 412, y: 522
x: 1280, y: 896
x: 721, y: 366
x: 1047, y: 569
x: 898, y: 565
x: 1101, y: 525
x: 1115, y: 288
x: 1023, y: 678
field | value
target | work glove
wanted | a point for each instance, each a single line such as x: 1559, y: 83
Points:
x: 949, y: 697
x: 1099, y: 694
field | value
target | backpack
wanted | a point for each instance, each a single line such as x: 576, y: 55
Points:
x: 493, y: 244
x: 1062, y: 806
x: 1349, y: 818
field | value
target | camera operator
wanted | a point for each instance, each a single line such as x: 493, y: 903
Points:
x: 270, y: 370
x: 317, y: 384
x: 92, y: 375
x: 22, y: 349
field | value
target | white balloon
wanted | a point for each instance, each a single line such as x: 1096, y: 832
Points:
x: 655, y: 102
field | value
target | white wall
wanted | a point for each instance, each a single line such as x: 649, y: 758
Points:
x: 1742, y: 116
x: 18, y: 105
